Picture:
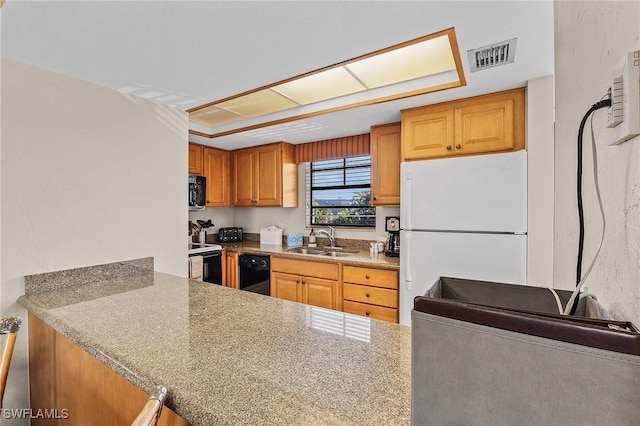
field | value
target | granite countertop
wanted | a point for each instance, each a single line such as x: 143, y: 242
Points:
x: 227, y: 356
x: 359, y: 258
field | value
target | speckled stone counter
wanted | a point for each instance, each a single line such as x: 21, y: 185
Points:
x: 231, y: 357
x: 360, y: 258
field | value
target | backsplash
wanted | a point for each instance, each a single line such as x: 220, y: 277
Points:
x: 347, y: 243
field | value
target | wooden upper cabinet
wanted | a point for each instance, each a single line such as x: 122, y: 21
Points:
x: 268, y: 171
x: 478, y: 125
x: 385, y: 165
x: 427, y: 133
x: 195, y: 159
x: 264, y: 176
x: 216, y: 170
x: 243, y: 177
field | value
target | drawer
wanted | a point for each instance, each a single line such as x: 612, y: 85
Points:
x: 302, y: 267
x: 372, y: 295
x: 371, y: 311
x: 369, y: 276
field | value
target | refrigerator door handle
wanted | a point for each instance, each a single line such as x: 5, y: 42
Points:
x: 407, y: 201
x: 406, y: 255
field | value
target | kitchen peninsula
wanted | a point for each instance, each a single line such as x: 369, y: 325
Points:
x: 226, y: 356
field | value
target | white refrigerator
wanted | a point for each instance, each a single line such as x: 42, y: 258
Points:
x: 462, y: 217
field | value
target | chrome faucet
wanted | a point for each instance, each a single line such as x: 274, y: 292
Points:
x: 331, y: 234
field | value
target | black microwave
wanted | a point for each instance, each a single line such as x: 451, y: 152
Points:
x: 197, y: 192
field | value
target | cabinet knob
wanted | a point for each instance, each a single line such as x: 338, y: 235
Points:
x: 367, y: 313
x: 375, y: 197
x: 367, y: 295
x: 458, y: 146
x: 367, y: 276
x: 297, y: 281
x: 448, y: 147
x: 303, y: 282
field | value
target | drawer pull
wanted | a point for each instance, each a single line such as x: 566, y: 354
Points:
x: 367, y: 276
x: 367, y: 295
x: 367, y: 313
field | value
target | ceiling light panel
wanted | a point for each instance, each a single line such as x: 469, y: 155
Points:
x: 320, y: 86
x: 414, y: 61
x: 214, y: 116
x: 258, y: 103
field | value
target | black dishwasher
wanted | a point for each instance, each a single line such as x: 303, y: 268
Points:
x: 255, y: 273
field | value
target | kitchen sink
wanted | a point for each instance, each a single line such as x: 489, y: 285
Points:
x: 303, y: 250
x: 337, y: 254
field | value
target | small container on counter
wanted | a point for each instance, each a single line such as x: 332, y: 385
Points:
x: 312, y: 238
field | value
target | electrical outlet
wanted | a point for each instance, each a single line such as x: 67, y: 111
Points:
x: 614, y: 112
x: 623, y: 116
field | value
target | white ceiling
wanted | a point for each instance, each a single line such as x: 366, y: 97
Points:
x: 202, y: 51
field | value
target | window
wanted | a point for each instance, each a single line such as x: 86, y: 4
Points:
x: 340, y: 193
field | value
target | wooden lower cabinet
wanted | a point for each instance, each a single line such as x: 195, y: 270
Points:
x: 371, y: 311
x: 231, y: 271
x: 319, y: 286
x: 370, y: 292
x: 65, y: 378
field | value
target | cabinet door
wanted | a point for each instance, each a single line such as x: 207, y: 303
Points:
x: 195, y: 159
x: 385, y: 165
x: 268, y: 175
x: 320, y: 292
x: 485, y: 126
x: 216, y: 170
x: 371, y: 311
x: 243, y: 177
x: 285, y: 286
x: 232, y: 273
x: 427, y: 133
x: 370, y: 276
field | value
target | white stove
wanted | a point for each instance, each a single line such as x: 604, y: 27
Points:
x: 195, y: 248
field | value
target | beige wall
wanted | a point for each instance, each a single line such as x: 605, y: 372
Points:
x: 540, y: 181
x: 89, y: 176
x: 590, y: 39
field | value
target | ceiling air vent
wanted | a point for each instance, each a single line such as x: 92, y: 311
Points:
x: 493, y: 55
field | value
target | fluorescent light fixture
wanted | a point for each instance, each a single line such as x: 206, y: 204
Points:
x: 412, y: 68
x: 258, y: 103
x: 429, y: 57
x: 321, y: 86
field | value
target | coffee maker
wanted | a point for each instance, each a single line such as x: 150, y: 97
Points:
x: 392, y: 226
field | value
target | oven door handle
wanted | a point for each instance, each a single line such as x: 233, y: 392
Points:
x: 210, y: 254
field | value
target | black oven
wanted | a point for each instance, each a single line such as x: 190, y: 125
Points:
x: 254, y: 273
x: 211, y: 265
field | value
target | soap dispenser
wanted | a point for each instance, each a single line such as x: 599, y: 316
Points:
x: 312, y: 239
